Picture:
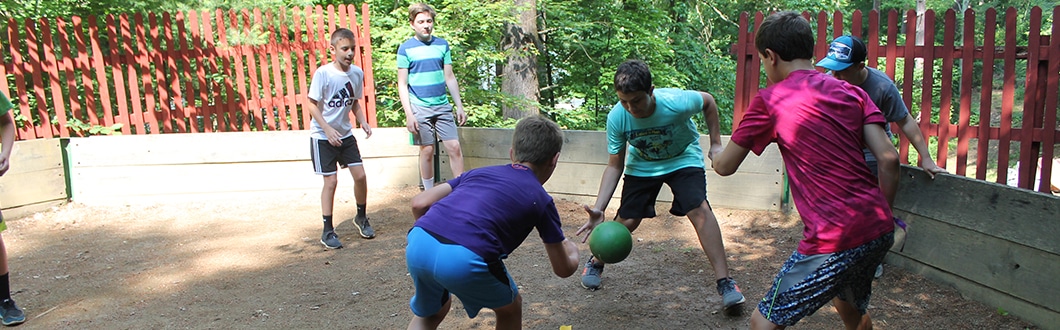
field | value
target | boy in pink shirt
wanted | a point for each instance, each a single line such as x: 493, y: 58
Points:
x: 820, y: 125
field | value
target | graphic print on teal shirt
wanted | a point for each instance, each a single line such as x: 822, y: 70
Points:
x: 654, y: 143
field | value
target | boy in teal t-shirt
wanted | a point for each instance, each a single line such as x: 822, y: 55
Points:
x: 10, y: 314
x: 663, y: 147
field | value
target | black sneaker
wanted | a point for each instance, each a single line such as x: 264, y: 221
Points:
x: 10, y: 313
x: 591, y: 276
x: 730, y: 293
x: 364, y: 227
x: 330, y: 240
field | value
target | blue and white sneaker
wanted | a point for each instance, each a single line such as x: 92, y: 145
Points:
x: 11, y: 314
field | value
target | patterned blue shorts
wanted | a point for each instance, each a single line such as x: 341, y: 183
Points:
x: 808, y: 282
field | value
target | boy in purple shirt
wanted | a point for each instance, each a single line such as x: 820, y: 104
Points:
x: 820, y: 125
x: 467, y: 226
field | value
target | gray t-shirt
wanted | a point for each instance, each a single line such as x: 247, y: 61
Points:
x: 337, y: 91
x: 885, y: 95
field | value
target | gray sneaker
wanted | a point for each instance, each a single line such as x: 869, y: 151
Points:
x: 591, y: 274
x: 730, y: 293
x: 879, y: 271
x: 330, y: 240
x: 364, y: 227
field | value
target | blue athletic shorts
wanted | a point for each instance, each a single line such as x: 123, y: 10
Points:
x: 438, y: 269
x: 808, y: 282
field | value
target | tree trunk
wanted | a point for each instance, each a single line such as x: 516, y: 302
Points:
x: 519, y: 78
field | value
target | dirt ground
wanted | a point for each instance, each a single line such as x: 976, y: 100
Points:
x: 256, y: 262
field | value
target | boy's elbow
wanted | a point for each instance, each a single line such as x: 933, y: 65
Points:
x: 723, y: 171
x: 722, y: 168
x: 420, y: 204
x: 889, y: 157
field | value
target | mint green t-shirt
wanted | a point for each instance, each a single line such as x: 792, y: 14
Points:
x: 662, y: 143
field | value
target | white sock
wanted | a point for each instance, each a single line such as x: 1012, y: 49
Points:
x: 428, y: 183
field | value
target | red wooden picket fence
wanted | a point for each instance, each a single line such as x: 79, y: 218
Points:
x: 210, y: 71
x: 977, y: 115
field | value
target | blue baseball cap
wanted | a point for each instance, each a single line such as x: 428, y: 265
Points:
x: 844, y: 52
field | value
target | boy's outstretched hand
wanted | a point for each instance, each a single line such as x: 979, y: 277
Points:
x: 595, y: 218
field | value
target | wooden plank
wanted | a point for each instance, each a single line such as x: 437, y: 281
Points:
x: 908, y: 61
x: 743, y: 191
x: 590, y: 147
x: 945, y: 99
x: 131, y: 58
x: 278, y: 49
x: 37, y: 70
x: 162, y: 122
x: 19, y: 67
x: 118, y: 185
x: 1032, y: 115
x: 742, y: 91
x: 174, y: 101
x: 130, y: 150
x: 227, y: 117
x: 201, y: 117
x: 99, y: 67
x: 17, y: 212
x: 83, y: 64
x: 366, y: 61
x: 1007, y: 266
x: 1049, y: 172
x: 964, y: 132
x: 986, y: 81
x: 928, y: 83
x: 66, y: 66
x: 36, y: 174
x: 1018, y: 307
x: 34, y: 155
x: 32, y: 187
x: 116, y: 66
x: 991, y: 209
x: 268, y: 52
x: 301, y: 109
x: 1008, y: 93
x: 143, y: 56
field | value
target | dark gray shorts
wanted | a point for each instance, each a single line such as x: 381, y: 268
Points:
x: 433, y: 119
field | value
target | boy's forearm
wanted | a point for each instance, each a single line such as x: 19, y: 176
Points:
x: 915, y: 136
x: 454, y: 92
x: 608, y: 185
x: 888, y: 177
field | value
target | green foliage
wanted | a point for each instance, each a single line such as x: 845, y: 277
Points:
x: 86, y: 129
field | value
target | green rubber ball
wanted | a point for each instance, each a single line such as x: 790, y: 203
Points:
x: 610, y: 242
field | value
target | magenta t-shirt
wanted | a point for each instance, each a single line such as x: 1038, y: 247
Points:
x: 817, y: 121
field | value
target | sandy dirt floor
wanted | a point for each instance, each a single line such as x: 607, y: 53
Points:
x: 256, y: 262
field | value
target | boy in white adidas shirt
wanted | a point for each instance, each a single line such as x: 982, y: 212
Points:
x: 336, y: 89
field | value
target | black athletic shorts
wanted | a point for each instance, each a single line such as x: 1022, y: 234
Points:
x: 688, y: 185
x: 325, y: 156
